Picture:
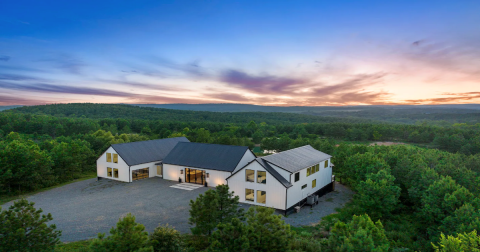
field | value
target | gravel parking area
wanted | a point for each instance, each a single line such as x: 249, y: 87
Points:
x: 83, y: 209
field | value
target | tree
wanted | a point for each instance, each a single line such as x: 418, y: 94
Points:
x: 216, y: 206
x: 127, y: 236
x: 24, y: 228
x: 268, y: 232
x: 378, y: 195
x: 166, y: 238
x: 462, y: 242
x: 360, y: 234
x: 230, y: 237
x: 257, y: 137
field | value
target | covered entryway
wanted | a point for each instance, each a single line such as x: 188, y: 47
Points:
x: 140, y: 174
x: 194, y: 176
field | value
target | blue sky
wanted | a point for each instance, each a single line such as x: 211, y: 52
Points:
x: 256, y: 52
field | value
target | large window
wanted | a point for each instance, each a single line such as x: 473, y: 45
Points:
x: 115, y: 173
x: 115, y: 158
x: 249, y: 195
x: 140, y: 174
x: 109, y: 157
x: 261, y: 197
x: 326, y: 163
x: 109, y: 172
x: 262, y: 177
x: 308, y: 171
x: 297, y: 176
x: 314, y: 183
x: 304, y: 186
x: 250, y: 175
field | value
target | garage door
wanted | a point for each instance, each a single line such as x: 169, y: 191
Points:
x: 140, y: 174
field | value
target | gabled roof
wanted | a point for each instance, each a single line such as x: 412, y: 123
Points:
x: 297, y: 159
x: 268, y: 168
x: 135, y: 153
x: 207, y: 156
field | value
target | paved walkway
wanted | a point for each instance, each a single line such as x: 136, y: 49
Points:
x: 187, y: 186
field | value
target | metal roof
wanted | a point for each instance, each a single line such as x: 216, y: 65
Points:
x: 135, y: 153
x: 297, y: 159
x: 207, y: 156
x: 274, y: 173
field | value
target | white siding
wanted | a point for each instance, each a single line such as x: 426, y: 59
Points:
x: 296, y: 194
x: 122, y: 167
x: 276, y: 192
x: 247, y: 157
x: 172, y: 172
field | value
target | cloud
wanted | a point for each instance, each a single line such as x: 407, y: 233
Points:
x: 4, y: 58
x: 453, y: 98
x: 261, y: 84
x: 6, y: 100
x: 67, y: 63
x: 191, y: 69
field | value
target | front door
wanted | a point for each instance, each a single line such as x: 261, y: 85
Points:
x: 194, y: 176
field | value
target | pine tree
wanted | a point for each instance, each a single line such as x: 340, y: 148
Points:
x: 24, y: 228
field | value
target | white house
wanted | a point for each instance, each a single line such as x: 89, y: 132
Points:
x: 202, y: 163
x: 281, y: 181
x: 136, y: 160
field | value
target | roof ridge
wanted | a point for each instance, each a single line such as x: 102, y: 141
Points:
x: 289, y: 150
x: 216, y: 144
x: 150, y: 140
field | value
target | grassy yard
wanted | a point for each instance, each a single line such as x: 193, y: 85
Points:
x: 78, y: 246
x: 4, y: 199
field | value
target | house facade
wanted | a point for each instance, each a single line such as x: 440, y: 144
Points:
x: 281, y: 181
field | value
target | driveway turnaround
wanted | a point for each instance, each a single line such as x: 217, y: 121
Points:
x: 85, y: 208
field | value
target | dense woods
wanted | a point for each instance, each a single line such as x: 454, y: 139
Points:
x: 414, y: 196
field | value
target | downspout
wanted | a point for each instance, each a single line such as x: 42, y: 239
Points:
x: 129, y: 174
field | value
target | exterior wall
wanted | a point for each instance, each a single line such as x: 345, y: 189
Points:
x: 296, y: 194
x: 276, y: 192
x: 152, y: 171
x: 247, y: 157
x: 286, y: 174
x: 172, y: 172
x: 102, y: 164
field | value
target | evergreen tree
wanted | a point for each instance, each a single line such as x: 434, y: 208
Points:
x: 127, y: 236
x: 166, y: 239
x: 24, y: 228
x: 460, y: 243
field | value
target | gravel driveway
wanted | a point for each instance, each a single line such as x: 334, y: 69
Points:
x: 85, y: 208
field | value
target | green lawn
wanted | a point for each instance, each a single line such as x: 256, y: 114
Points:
x: 4, y: 199
x: 78, y: 246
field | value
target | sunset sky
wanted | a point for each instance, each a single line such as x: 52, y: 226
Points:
x: 285, y: 53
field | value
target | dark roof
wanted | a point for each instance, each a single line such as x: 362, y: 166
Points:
x: 208, y: 156
x: 297, y: 159
x: 268, y: 168
x: 274, y: 172
x: 135, y: 153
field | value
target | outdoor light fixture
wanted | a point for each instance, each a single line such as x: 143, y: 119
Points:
x: 181, y: 171
x: 208, y: 175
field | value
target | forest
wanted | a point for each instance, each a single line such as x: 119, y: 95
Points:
x: 412, y: 194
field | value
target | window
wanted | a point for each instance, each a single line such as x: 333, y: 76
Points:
x: 317, y: 167
x: 313, y: 169
x: 326, y: 163
x: 308, y: 171
x: 262, y: 177
x: 109, y: 157
x: 297, y: 176
x: 249, y: 195
x: 314, y: 183
x: 115, y: 173
x: 109, y: 172
x: 261, y: 197
x: 304, y: 186
x: 250, y: 175
x: 115, y: 158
